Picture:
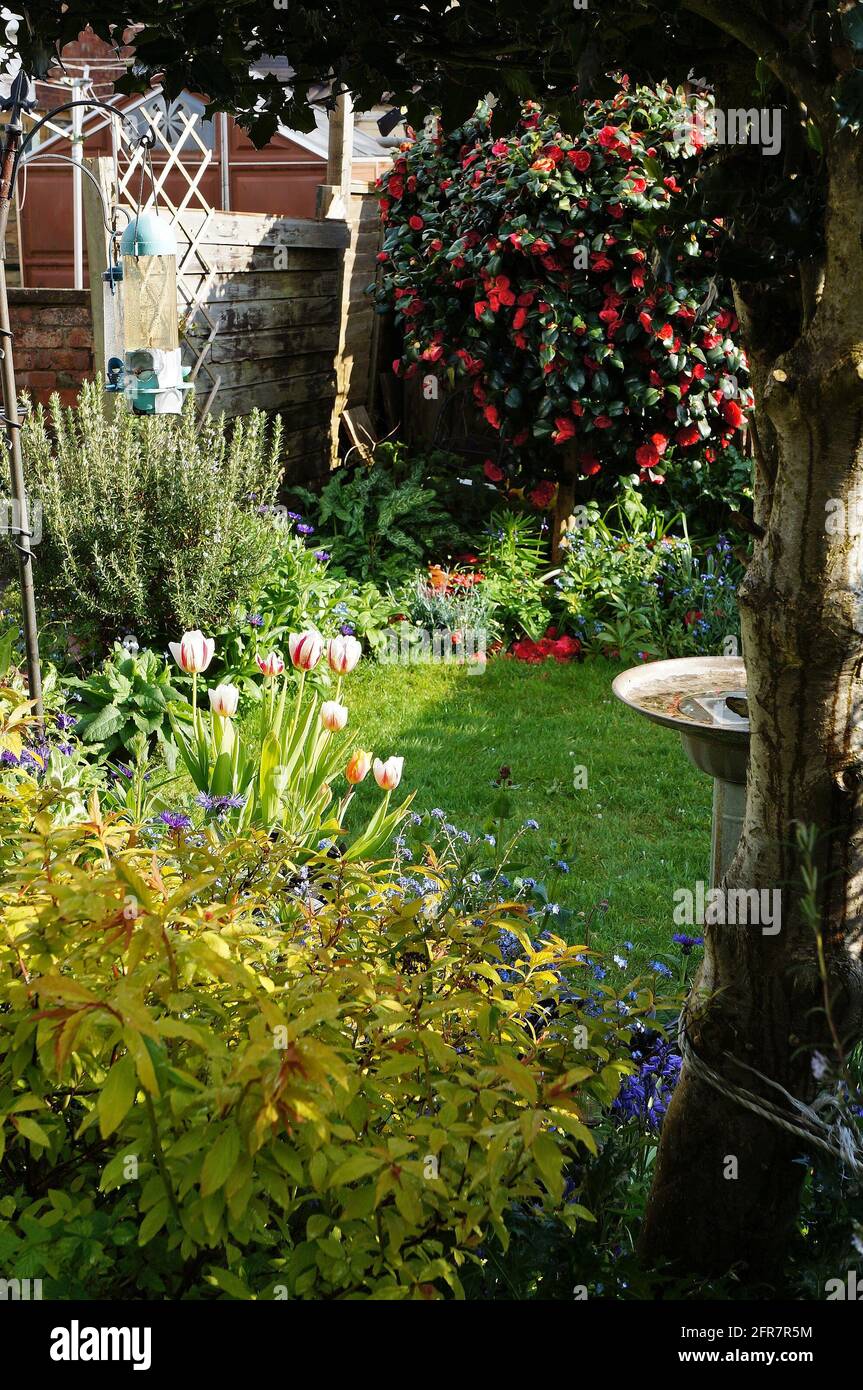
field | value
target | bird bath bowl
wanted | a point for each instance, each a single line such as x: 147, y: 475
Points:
x: 704, y: 699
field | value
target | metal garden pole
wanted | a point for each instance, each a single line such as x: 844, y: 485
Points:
x: 20, y: 522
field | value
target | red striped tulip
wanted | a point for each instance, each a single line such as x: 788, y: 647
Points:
x: 343, y: 653
x: 306, y: 649
x: 358, y: 767
x: 333, y: 715
x: 193, y: 652
x: 388, y: 774
x: 224, y: 700
x: 271, y: 665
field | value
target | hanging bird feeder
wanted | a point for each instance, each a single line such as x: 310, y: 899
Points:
x: 142, y: 341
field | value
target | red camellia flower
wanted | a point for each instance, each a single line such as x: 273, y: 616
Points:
x: 688, y: 436
x: 543, y: 494
x: 581, y: 160
x: 490, y: 413
x: 602, y: 422
x: 499, y: 147
x: 491, y: 470
x: 565, y: 430
x: 416, y: 223
x: 732, y: 413
x: 646, y: 456
x: 609, y: 138
x: 589, y: 464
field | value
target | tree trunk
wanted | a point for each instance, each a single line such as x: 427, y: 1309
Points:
x: 759, y: 998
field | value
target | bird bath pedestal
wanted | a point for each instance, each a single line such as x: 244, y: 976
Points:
x: 704, y: 699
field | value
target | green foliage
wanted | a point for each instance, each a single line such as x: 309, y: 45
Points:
x: 380, y: 520
x: 515, y: 565
x: 298, y: 591
x: 707, y: 491
x: 150, y: 524
x: 222, y: 1078
x: 458, y: 605
x: 631, y: 588
x: 129, y: 695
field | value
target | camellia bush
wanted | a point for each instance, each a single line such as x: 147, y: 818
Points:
x: 539, y: 268
x: 227, y: 1073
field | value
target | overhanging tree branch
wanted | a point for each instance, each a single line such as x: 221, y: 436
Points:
x: 771, y: 47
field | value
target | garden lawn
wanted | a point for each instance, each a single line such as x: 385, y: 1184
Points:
x: 640, y: 829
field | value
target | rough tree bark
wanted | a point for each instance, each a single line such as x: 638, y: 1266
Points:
x: 759, y: 998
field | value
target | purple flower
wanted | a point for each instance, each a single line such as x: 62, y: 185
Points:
x: 322, y: 556
x: 347, y: 629
x: 66, y: 721
x: 174, y: 820
x: 219, y: 805
x: 644, y: 1097
x: 7, y: 757
x: 304, y: 529
x: 254, y: 620
x: 685, y: 942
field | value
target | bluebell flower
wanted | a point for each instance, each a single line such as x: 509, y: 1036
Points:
x: 531, y: 825
x: 659, y: 968
x: 562, y: 865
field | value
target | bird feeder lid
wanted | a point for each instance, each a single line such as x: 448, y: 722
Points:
x: 148, y: 235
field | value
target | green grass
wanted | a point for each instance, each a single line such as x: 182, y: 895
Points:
x: 639, y: 830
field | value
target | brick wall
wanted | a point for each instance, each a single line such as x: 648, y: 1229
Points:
x: 53, y: 341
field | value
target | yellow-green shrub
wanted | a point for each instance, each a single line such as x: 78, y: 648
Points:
x: 226, y: 1074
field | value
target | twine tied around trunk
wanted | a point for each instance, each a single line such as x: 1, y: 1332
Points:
x: 813, y: 1123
